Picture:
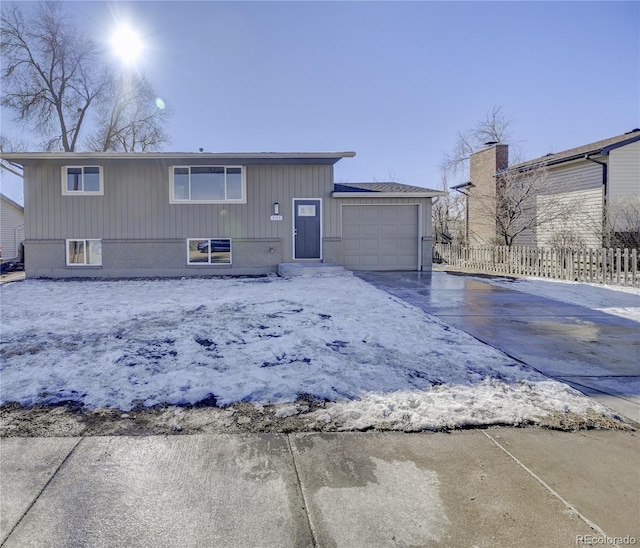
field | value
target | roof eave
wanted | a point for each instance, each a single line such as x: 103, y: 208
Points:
x: 12, y: 203
x: 599, y: 151
x: 374, y: 194
x: 20, y: 157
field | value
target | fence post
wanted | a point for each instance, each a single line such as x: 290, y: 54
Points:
x: 625, y: 266
x: 634, y: 268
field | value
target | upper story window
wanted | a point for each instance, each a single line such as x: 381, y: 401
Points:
x: 82, y: 180
x: 207, y: 184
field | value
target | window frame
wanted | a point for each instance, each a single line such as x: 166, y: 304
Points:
x: 174, y: 200
x: 67, y: 192
x: 209, y: 263
x: 85, y: 243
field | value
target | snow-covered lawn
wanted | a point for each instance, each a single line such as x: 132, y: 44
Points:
x: 377, y: 360
x: 616, y: 300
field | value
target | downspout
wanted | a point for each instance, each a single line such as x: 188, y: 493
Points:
x: 16, y: 240
x: 466, y: 214
x: 605, y: 191
x: 434, y: 202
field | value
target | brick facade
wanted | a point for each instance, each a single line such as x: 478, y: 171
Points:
x: 481, y: 203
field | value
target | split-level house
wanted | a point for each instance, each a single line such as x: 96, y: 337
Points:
x: 198, y: 214
x: 592, y: 189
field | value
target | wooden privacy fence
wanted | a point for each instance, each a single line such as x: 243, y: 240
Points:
x: 603, y: 266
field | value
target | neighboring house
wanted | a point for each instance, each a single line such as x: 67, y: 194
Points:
x: 11, y: 228
x: 592, y: 182
x: 198, y: 214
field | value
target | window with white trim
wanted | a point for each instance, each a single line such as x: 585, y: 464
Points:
x: 84, y: 252
x: 207, y: 184
x: 212, y: 251
x: 81, y: 180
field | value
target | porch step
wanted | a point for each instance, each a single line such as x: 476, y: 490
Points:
x: 287, y: 270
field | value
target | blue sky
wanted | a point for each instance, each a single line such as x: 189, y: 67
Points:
x: 392, y: 81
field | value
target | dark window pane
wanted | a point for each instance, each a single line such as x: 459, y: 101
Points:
x: 91, y: 179
x: 74, y: 178
x: 76, y: 252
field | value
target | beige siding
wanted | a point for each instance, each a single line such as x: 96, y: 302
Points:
x: 624, y: 171
x: 11, y: 233
x: 578, y: 184
x: 581, y: 228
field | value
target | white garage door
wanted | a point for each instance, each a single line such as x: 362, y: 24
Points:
x: 380, y: 237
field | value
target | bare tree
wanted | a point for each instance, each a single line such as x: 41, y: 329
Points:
x: 526, y: 200
x: 495, y: 127
x: 132, y: 119
x: 619, y: 225
x: 7, y: 145
x: 55, y: 79
x: 448, y: 214
x: 448, y: 219
x: 51, y: 73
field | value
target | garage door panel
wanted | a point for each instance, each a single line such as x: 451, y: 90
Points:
x: 389, y: 214
x: 369, y: 213
x: 406, y: 246
x: 352, y: 231
x: 388, y: 231
x: 370, y: 231
x: 380, y: 237
x: 370, y: 246
x: 410, y: 231
x: 369, y: 260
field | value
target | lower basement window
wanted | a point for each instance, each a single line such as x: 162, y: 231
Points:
x: 84, y: 252
x: 213, y: 251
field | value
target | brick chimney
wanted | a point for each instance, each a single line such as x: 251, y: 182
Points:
x: 481, y: 203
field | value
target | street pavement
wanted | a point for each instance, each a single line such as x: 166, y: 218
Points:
x: 499, y: 487
x: 594, y: 352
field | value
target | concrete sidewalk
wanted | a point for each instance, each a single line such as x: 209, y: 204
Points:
x: 499, y: 487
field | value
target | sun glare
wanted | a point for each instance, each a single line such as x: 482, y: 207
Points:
x: 126, y: 44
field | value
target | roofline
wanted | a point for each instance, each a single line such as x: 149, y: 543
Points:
x: 377, y: 194
x: 602, y: 151
x: 628, y: 141
x: 462, y: 185
x: 26, y: 156
x: 11, y: 202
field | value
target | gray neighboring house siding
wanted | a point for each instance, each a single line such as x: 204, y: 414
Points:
x: 144, y: 235
x: 11, y: 227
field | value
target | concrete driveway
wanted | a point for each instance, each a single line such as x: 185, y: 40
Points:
x: 594, y: 352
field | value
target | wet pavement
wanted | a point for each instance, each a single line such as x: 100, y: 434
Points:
x: 497, y: 487
x: 595, y: 352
